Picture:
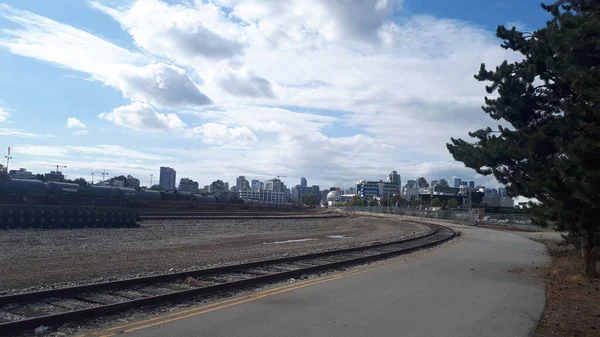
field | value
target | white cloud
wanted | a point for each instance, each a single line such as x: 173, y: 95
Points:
x: 4, y: 114
x: 161, y: 85
x: 114, y: 151
x: 136, y: 76
x: 181, y: 33
x: 218, y: 134
x: 73, y: 122
x: 17, y: 133
x: 141, y: 116
x: 245, y: 83
x: 81, y: 133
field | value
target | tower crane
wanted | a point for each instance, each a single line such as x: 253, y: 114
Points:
x: 57, y: 166
x: 103, y: 173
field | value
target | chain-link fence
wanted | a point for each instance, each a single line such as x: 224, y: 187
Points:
x: 473, y: 217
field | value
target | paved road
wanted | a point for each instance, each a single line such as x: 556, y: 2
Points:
x: 484, y: 284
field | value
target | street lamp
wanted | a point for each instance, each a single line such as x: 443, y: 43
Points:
x: 8, y: 158
x: 151, y: 175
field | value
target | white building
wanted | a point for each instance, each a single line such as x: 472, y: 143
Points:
x: 278, y: 197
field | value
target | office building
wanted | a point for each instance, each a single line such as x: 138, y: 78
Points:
x: 303, y: 182
x: 188, y: 185
x: 167, y: 178
x: 276, y: 197
x: 255, y: 186
x: 394, y: 178
x: 370, y: 189
x: 242, y: 184
x: 457, y: 182
x: 21, y: 174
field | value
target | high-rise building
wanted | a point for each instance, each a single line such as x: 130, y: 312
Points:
x: 457, y: 182
x: 167, y: 178
x: 471, y: 184
x: 226, y: 184
x: 394, y: 178
x: 188, y: 185
x: 314, y: 190
x: 255, y: 186
x: 303, y: 182
x: 261, y: 185
x: 242, y: 184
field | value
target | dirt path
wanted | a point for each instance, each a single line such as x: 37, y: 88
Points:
x: 572, y: 301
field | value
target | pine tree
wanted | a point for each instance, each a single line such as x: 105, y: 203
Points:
x: 549, y: 103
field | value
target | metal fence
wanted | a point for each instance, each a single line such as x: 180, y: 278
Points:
x: 474, y: 218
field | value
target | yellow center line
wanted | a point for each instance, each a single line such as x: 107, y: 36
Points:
x: 120, y: 328
x: 176, y: 316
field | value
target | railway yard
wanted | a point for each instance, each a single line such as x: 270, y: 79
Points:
x: 40, y: 259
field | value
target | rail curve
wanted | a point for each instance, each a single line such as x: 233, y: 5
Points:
x: 62, y: 305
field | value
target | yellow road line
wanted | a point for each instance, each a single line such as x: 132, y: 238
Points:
x: 294, y: 285
x: 140, y: 325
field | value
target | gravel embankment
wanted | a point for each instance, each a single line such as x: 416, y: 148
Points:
x: 32, y: 259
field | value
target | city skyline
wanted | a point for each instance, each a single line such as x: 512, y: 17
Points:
x: 288, y: 182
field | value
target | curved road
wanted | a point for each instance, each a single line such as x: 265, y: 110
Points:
x: 485, y: 283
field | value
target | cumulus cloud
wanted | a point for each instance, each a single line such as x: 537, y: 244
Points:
x: 161, y: 85
x: 81, y: 133
x: 218, y: 134
x: 73, y: 122
x: 177, y: 32
x: 141, y: 116
x: 246, y: 84
x: 330, y: 20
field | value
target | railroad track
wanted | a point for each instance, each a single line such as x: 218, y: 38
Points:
x: 192, y: 216
x: 27, y: 311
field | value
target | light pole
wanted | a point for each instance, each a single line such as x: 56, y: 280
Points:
x: 92, y: 178
x: 8, y: 158
x: 151, y: 175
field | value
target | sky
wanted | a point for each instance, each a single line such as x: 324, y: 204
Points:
x: 330, y: 90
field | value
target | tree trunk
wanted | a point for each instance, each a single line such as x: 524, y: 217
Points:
x: 589, y: 260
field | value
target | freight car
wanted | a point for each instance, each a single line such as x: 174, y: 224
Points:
x: 37, y: 204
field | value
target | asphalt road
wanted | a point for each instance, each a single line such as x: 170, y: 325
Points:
x: 487, y: 283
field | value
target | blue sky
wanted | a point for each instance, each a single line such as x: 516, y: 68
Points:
x: 217, y: 89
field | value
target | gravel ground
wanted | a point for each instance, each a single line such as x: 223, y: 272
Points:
x: 37, y: 259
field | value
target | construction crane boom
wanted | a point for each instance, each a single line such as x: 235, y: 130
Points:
x: 57, y: 166
x: 103, y: 173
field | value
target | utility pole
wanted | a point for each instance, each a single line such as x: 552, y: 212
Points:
x: 151, y: 175
x: 8, y: 158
